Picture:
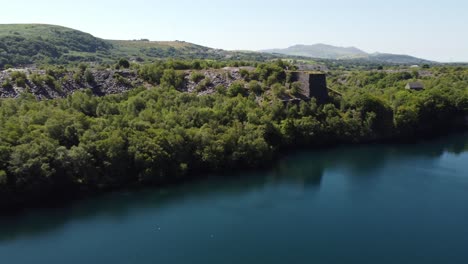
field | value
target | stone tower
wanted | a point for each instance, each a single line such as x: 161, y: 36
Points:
x: 313, y: 85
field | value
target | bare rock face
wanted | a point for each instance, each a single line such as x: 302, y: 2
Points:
x: 107, y: 81
x: 101, y: 82
x: 213, y: 78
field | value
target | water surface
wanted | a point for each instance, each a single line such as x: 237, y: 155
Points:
x: 372, y: 204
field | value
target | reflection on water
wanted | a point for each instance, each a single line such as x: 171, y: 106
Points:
x: 304, y: 171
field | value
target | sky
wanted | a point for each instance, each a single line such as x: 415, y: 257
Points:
x: 435, y: 30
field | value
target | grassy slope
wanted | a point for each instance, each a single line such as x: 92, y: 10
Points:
x: 163, y: 49
x: 23, y: 44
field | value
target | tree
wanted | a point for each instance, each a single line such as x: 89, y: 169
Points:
x: 278, y: 90
x: 295, y: 88
x: 255, y: 87
x: 171, y: 78
x: 366, y: 104
x: 235, y: 89
x: 124, y: 63
x: 89, y: 77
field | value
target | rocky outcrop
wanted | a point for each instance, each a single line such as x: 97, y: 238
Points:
x: 107, y: 81
x: 47, y: 85
x: 100, y: 82
x: 212, y: 78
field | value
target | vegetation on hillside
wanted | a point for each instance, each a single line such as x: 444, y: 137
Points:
x: 25, y: 44
x: 159, y: 135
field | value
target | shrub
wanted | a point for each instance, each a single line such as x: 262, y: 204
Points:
x: 295, y: 88
x: 244, y: 73
x: 82, y: 67
x: 203, y: 84
x: 220, y: 89
x: 122, y: 80
x: 36, y: 79
x: 278, y: 90
x: 89, y: 77
x: 20, y: 83
x: 255, y: 87
x: 171, y: 78
x: 77, y: 77
x: 196, y: 77
x: 49, y: 80
x: 65, y: 79
x: 55, y: 71
x: 196, y: 65
x: 124, y: 63
x: 18, y: 75
x: 7, y: 84
x: 236, y: 88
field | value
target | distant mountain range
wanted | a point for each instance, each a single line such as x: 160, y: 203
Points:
x: 26, y: 44
x: 324, y: 51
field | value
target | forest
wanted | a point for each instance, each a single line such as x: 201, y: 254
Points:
x: 50, y: 149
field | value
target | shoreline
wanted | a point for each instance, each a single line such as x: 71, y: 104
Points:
x: 68, y: 197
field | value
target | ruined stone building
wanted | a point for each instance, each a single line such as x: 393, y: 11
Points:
x: 415, y: 86
x: 313, y: 85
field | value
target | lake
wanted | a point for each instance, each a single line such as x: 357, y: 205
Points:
x: 361, y: 204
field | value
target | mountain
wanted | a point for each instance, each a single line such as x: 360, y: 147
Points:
x: 23, y: 44
x: 323, y: 51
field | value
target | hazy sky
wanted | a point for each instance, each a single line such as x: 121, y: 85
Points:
x: 436, y: 30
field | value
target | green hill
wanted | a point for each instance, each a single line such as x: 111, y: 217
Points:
x: 30, y: 43
x: 397, y: 59
x: 23, y: 44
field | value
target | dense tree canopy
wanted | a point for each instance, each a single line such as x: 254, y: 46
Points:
x: 161, y: 135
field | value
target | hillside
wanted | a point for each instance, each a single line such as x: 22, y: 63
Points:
x: 29, y: 43
x: 23, y: 44
x: 323, y: 51
x: 397, y: 59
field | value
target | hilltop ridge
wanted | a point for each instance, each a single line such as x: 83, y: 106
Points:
x: 325, y: 51
x: 24, y: 44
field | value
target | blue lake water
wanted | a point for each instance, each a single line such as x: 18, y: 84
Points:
x: 362, y: 204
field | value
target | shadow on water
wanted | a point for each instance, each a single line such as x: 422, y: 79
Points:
x: 305, y: 169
